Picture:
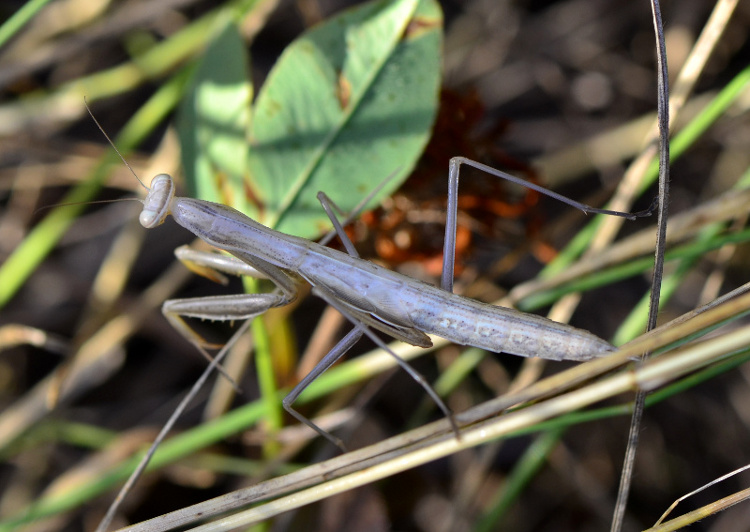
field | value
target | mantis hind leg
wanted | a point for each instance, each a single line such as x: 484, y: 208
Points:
x: 449, y: 245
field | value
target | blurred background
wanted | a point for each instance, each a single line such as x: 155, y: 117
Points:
x: 558, y: 92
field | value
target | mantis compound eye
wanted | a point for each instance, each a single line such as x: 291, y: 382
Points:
x: 158, y: 199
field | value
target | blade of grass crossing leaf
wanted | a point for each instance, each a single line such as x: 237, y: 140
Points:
x: 269, y: 391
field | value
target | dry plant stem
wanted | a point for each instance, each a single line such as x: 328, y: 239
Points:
x: 13, y: 335
x: 22, y: 189
x: 734, y: 298
x: 114, y: 272
x: 690, y: 518
x: 704, y: 46
x: 639, y: 404
x: 724, y: 255
x: 702, y: 488
x: 435, y: 440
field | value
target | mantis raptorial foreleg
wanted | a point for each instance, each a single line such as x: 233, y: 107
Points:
x: 230, y: 307
x: 211, y: 265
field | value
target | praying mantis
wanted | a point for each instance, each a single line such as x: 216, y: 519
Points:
x: 368, y: 295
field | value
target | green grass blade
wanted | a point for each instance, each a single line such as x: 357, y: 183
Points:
x: 21, y: 17
x: 523, y: 472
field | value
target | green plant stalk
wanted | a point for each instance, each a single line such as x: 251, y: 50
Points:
x: 270, y: 396
x: 455, y: 374
x: 59, y: 431
x: 42, y: 239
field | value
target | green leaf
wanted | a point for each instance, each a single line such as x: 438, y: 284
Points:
x: 349, y: 103
x: 213, y: 122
